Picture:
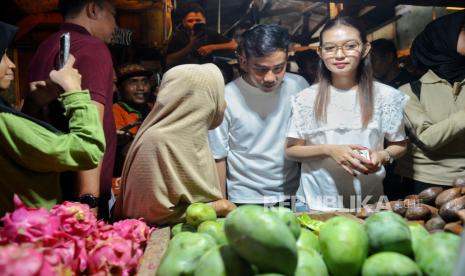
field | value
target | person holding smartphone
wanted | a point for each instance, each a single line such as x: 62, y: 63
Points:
x: 193, y: 42
x: 90, y: 24
x: 337, y: 120
x: 32, y: 152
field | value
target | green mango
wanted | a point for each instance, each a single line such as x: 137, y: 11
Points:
x: 418, y: 233
x: 221, y: 221
x: 214, y: 229
x: 262, y: 238
x: 344, y: 246
x: 310, y: 263
x: 388, y: 231
x: 390, y: 264
x: 437, y: 254
x: 181, y: 227
x: 308, y: 240
x: 184, y: 252
x: 199, y: 212
x: 288, y: 217
x: 222, y: 261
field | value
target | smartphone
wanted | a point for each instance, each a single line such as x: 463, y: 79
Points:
x: 364, y: 153
x: 64, y: 50
x: 199, y: 29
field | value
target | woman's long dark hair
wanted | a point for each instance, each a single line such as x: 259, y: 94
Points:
x: 364, y: 76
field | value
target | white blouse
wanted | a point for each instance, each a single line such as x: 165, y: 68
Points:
x: 324, y: 185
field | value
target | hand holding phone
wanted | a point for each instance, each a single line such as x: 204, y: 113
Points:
x: 67, y: 77
x: 364, y: 153
x: 199, y: 29
x: 64, y: 50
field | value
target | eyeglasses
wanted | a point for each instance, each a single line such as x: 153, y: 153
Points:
x: 349, y: 47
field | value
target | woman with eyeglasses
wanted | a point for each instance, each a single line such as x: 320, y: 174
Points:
x: 339, y: 124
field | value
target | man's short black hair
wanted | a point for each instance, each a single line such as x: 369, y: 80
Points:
x: 264, y: 39
x: 189, y: 7
x: 384, y: 46
x: 70, y: 8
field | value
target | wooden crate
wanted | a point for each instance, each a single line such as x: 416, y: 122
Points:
x: 154, y: 251
x: 324, y: 216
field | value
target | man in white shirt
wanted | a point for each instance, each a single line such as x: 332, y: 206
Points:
x: 249, y: 145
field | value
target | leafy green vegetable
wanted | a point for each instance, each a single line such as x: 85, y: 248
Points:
x: 306, y: 221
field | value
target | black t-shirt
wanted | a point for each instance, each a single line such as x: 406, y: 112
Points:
x: 181, y: 38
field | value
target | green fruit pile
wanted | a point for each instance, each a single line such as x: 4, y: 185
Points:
x: 253, y: 240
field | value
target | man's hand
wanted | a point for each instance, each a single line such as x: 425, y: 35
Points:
x: 206, y: 50
x: 194, y: 43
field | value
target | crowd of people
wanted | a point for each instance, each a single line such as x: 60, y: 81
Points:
x: 322, y: 140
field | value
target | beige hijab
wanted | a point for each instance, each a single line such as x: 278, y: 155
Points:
x: 169, y: 164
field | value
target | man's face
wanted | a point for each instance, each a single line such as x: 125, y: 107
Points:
x: 193, y: 18
x: 6, y: 72
x: 265, y: 73
x: 106, y: 24
x: 380, y: 63
x: 135, y: 90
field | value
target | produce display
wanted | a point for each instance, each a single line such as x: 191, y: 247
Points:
x: 69, y: 240
x: 438, y: 208
x: 253, y: 240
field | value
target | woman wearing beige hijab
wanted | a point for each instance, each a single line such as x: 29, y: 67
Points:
x: 169, y: 164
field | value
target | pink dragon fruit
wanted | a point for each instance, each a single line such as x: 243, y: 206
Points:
x: 116, y: 256
x: 29, y: 225
x: 3, y: 240
x: 24, y: 260
x: 75, y: 218
x: 103, y: 232
x: 135, y: 230
x: 70, y: 254
x: 69, y: 240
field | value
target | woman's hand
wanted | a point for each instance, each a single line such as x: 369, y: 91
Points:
x: 67, y: 77
x: 47, y: 90
x: 378, y: 158
x: 349, y: 159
